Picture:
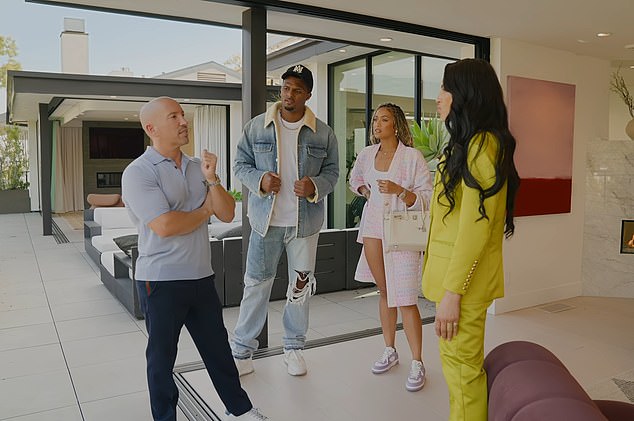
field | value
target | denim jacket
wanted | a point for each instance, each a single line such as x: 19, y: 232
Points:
x: 317, y: 158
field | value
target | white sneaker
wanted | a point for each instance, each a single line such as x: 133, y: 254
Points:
x: 244, y: 366
x: 416, y: 377
x: 253, y: 415
x: 388, y: 360
x: 294, y: 360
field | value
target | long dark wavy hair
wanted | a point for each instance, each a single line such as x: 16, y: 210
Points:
x: 477, y: 108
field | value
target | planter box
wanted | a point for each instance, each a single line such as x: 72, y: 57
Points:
x: 14, y: 201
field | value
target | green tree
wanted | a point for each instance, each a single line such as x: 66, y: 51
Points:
x: 14, y: 163
x: 13, y: 160
x: 234, y: 62
x: 8, y: 52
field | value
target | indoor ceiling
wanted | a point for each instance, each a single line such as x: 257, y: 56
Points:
x: 570, y: 25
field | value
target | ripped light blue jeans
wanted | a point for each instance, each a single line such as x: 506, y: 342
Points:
x: 262, y: 261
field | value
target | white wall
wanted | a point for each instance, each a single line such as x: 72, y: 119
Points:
x: 319, y: 100
x: 74, y: 48
x: 194, y: 75
x: 235, y: 132
x: 619, y: 115
x: 34, y: 166
x: 543, y: 260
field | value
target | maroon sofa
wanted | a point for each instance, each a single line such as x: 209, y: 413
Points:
x: 526, y: 382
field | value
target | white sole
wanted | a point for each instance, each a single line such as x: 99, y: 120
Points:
x: 298, y: 373
x: 386, y: 370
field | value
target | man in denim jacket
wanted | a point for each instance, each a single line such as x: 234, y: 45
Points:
x: 288, y: 159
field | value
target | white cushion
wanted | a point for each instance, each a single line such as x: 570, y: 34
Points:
x: 107, y: 261
x: 217, y: 228
x: 238, y: 217
x: 103, y: 244
x: 113, y: 218
x: 104, y: 241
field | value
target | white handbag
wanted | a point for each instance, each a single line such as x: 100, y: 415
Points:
x: 405, y: 230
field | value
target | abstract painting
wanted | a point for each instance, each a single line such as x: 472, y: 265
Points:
x: 542, y: 118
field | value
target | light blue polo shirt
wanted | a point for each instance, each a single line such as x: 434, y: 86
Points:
x: 152, y: 185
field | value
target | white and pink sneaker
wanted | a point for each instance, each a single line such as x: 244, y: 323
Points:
x: 416, y: 377
x: 388, y: 360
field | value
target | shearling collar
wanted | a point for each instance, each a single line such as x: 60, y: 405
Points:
x: 310, y: 120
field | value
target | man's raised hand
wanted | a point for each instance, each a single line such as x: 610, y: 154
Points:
x: 208, y: 165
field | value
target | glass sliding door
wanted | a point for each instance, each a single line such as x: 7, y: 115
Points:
x: 432, y: 70
x: 348, y: 96
x: 393, y: 81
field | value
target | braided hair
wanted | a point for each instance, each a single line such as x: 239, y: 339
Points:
x: 403, y: 133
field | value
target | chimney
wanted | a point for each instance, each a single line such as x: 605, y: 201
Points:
x: 74, y: 42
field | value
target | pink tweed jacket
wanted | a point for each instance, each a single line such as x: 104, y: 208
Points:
x: 402, y: 268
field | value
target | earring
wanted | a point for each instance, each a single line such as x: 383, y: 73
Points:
x: 395, y: 132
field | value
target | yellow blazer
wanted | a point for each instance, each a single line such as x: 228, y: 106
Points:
x: 464, y: 252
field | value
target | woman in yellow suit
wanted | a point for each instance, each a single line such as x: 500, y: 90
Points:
x: 471, y: 212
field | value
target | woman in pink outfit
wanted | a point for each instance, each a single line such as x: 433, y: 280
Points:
x: 393, y: 176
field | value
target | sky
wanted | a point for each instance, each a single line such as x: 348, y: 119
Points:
x: 146, y: 46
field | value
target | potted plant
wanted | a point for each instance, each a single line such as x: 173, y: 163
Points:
x: 430, y: 138
x: 618, y: 86
x: 14, y: 194
x: 237, y: 195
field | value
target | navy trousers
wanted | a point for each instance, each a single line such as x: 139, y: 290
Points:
x: 168, y: 305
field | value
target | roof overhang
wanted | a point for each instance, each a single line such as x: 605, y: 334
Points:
x: 26, y: 90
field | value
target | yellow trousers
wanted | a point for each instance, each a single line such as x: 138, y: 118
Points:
x: 462, y: 359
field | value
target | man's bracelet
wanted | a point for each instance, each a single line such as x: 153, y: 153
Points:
x: 212, y: 183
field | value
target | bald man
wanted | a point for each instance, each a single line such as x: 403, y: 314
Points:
x: 170, y: 198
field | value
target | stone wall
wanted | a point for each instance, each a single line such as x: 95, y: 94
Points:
x: 609, y: 200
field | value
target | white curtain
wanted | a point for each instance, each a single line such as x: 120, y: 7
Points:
x: 69, y: 174
x: 210, y: 132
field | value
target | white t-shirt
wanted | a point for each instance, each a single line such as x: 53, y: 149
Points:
x: 285, y: 208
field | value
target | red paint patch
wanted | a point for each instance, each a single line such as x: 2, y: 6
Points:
x: 542, y: 196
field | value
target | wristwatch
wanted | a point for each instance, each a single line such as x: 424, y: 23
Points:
x: 212, y: 183
x: 402, y: 195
